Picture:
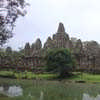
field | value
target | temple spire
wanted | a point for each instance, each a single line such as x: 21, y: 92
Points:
x: 61, y: 28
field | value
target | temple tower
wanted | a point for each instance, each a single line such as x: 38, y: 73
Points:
x: 61, y: 37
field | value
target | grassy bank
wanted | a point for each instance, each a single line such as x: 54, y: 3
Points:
x: 86, y: 77
x: 26, y: 75
x: 29, y: 75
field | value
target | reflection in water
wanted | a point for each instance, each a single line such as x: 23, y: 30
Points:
x: 87, y: 97
x: 12, y: 91
x: 41, y: 95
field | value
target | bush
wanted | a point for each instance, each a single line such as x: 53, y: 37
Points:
x: 60, y: 61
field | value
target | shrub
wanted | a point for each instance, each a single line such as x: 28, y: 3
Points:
x: 60, y: 61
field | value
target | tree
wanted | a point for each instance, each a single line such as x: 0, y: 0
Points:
x: 59, y: 60
x: 10, y: 10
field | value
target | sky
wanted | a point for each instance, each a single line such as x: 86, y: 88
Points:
x: 81, y: 19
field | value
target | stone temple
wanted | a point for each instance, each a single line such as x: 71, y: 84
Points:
x: 59, y: 40
x: 86, y: 54
x: 34, y: 52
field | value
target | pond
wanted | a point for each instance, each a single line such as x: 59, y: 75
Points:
x: 88, y: 97
x: 14, y: 91
x: 50, y: 91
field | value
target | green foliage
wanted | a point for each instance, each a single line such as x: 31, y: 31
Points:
x: 2, y: 53
x: 59, y: 60
x: 13, y: 9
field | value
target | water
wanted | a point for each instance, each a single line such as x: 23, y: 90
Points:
x: 11, y: 91
x: 88, y: 97
x: 50, y: 92
x: 14, y: 91
x: 85, y: 97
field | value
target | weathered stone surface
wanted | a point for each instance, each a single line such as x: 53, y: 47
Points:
x: 36, y: 48
x: 61, y: 37
x: 78, y: 47
x: 38, y: 44
x: 27, y: 49
x: 9, y: 50
x: 59, y: 40
x: 61, y: 28
x: 91, y: 47
x: 74, y: 41
x: 32, y: 46
x: 70, y: 44
x: 49, y: 43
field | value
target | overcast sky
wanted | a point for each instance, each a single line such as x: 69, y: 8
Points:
x: 81, y: 19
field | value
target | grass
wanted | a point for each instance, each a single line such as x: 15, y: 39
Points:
x: 29, y: 75
x: 26, y: 75
x: 86, y: 77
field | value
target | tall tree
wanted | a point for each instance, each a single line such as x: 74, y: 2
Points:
x: 10, y: 10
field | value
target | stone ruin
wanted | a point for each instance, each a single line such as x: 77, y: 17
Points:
x: 87, y: 54
x: 34, y: 52
x: 61, y: 39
